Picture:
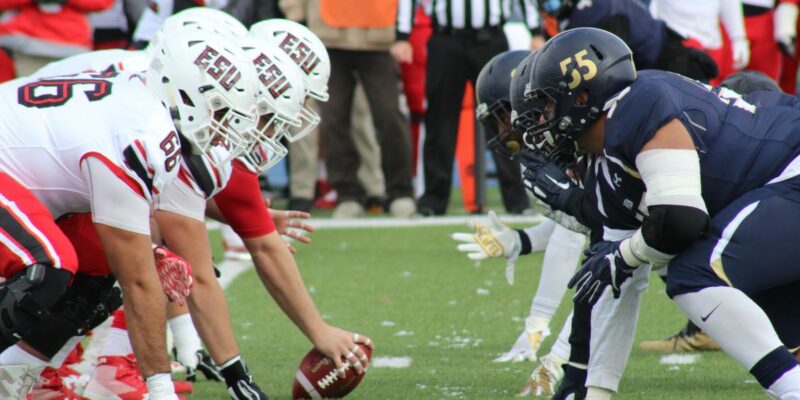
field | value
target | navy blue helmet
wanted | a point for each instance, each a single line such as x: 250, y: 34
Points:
x: 556, y: 8
x: 574, y: 75
x: 493, y: 102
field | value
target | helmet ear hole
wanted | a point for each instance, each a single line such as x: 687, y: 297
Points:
x: 582, y: 98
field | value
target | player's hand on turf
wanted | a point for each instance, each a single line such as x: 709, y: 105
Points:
x: 340, y: 345
x: 288, y: 224
x: 494, y: 240
x: 174, y: 273
x: 546, y: 180
x: 604, y: 266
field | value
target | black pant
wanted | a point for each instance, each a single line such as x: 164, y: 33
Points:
x: 452, y: 61
x: 379, y: 74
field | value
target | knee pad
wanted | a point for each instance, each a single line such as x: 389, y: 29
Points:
x: 88, y: 302
x: 26, y: 299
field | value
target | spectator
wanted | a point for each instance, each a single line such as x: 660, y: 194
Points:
x: 40, y: 31
x: 358, y: 35
x: 699, y: 21
x: 786, y: 22
x: 110, y: 27
x: 251, y: 11
x: 760, y: 25
x: 654, y: 44
x: 465, y: 36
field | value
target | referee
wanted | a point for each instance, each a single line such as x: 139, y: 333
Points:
x: 466, y: 35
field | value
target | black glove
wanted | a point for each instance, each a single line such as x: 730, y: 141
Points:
x: 246, y: 389
x: 604, y: 266
x: 573, y: 386
x: 547, y: 181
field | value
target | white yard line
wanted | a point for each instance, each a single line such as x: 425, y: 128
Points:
x: 388, y: 222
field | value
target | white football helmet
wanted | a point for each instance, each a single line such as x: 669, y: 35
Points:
x: 210, y: 88
x: 308, y: 52
x: 203, y: 18
x: 282, y: 93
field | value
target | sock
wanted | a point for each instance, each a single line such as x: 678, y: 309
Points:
x: 560, y: 259
x: 788, y: 384
x: 15, y: 355
x: 62, y: 354
x: 159, y: 386
x: 234, y: 370
x: 733, y: 320
x: 187, y: 341
x: 598, y: 393
x: 561, y: 347
x: 540, y: 235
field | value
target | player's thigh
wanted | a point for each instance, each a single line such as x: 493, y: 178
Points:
x: 749, y: 246
x: 28, y: 234
x: 79, y: 228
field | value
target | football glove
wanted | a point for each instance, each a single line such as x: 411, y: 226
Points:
x: 603, y: 266
x: 495, y: 240
x: 546, y: 180
x: 174, y: 273
x: 573, y: 385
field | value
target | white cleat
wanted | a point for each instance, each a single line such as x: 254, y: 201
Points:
x: 544, y: 378
x: 16, y: 381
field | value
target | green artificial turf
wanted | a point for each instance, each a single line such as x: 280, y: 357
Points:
x: 417, y: 297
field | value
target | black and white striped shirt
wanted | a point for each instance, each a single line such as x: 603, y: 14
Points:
x: 465, y: 14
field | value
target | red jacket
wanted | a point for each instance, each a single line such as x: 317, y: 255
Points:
x: 63, y: 31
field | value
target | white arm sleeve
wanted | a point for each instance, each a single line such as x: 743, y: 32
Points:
x: 114, y: 203
x: 672, y: 177
x: 180, y: 199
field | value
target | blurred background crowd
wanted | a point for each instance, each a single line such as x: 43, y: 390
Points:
x: 401, y: 115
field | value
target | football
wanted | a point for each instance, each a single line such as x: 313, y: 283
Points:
x: 316, y: 377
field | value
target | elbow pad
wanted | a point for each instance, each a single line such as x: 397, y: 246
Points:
x: 672, y: 228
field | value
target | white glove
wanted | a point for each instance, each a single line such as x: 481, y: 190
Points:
x: 786, y: 26
x: 741, y: 53
x: 493, y: 241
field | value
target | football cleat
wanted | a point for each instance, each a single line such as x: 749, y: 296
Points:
x: 544, y: 378
x: 246, y: 390
x: 118, y: 378
x: 204, y: 365
x: 52, y: 385
x: 689, y: 339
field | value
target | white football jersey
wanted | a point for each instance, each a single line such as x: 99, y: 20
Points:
x: 51, y: 125
x: 96, y: 61
x: 198, y: 180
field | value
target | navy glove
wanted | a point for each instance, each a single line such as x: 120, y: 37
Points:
x: 603, y: 266
x: 546, y: 180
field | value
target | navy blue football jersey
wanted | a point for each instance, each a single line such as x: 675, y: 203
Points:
x: 645, y: 34
x: 741, y: 146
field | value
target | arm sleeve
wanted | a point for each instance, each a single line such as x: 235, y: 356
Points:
x: 242, y: 205
x: 115, y: 201
x: 405, y: 18
x: 733, y: 19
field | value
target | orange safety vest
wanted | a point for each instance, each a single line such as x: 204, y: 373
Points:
x: 359, y: 13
